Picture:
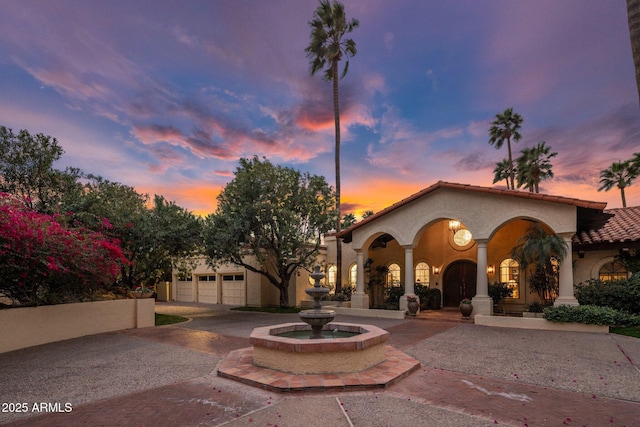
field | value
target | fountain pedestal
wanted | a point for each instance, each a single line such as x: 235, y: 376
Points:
x: 317, y: 317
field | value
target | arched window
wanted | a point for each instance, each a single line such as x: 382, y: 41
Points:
x: 422, y: 273
x: 393, y: 275
x: 331, y: 276
x: 353, y: 274
x: 510, y: 275
x: 613, y: 270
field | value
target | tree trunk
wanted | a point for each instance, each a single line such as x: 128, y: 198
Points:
x: 336, y: 113
x: 633, y: 17
x: 511, y: 174
x: 624, y: 199
x: 284, y: 292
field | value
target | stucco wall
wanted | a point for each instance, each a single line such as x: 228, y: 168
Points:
x: 29, y: 326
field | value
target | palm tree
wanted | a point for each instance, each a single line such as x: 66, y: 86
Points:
x: 326, y: 48
x: 534, y: 165
x: 633, y: 18
x: 502, y: 172
x: 619, y: 174
x: 541, y: 252
x: 505, y: 127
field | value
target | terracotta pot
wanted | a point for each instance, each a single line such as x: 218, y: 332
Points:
x: 466, y: 310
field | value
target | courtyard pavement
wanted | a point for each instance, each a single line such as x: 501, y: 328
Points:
x: 470, y: 375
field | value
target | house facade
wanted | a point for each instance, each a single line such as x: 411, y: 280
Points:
x: 454, y: 237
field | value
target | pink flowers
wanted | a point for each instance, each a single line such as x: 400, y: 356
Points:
x: 37, y: 253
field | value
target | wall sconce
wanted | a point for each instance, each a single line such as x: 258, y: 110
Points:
x: 454, y: 225
x: 436, y: 270
x: 490, y: 269
x: 580, y: 253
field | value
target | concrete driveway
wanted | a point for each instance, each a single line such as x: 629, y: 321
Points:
x: 470, y: 376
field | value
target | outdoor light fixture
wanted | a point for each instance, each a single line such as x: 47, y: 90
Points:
x: 454, y: 225
x: 436, y: 270
x: 490, y: 269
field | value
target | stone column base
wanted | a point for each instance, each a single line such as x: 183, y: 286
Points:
x: 565, y: 301
x: 360, y: 300
x: 482, y: 305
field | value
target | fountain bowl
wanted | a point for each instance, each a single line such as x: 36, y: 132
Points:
x: 318, y: 356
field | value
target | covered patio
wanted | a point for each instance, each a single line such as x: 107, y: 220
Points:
x: 458, y: 238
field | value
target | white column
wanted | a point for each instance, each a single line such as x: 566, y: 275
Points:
x: 409, y: 282
x: 360, y: 299
x: 565, y: 291
x: 482, y: 302
x: 482, y: 284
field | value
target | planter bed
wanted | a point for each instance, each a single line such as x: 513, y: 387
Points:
x: 533, y: 323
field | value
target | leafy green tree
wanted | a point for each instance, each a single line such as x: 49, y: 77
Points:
x: 26, y: 169
x: 506, y: 127
x: 153, y: 234
x: 533, y: 166
x: 273, y: 215
x: 501, y: 172
x: 326, y: 49
x: 620, y: 175
x: 541, y: 253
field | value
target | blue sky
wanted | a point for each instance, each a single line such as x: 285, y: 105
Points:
x: 166, y: 96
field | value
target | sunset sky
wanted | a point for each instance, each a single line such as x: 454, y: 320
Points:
x: 167, y: 96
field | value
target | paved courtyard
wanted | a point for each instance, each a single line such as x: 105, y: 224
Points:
x: 469, y: 376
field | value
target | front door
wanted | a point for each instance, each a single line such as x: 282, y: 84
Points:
x: 459, y: 282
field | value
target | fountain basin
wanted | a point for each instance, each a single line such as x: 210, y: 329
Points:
x: 319, y: 356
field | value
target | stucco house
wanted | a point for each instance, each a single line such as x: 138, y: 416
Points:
x: 455, y: 237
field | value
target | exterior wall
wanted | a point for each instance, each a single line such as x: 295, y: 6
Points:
x: 481, y: 213
x: 589, y: 267
x: 29, y: 326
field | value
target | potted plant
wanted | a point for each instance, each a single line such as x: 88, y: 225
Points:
x: 466, y: 308
x: 142, y: 292
x: 412, y: 305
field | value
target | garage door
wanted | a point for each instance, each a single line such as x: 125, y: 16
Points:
x: 207, y: 289
x: 233, y: 289
x: 184, y: 291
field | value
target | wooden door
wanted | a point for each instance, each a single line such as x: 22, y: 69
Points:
x: 459, y: 282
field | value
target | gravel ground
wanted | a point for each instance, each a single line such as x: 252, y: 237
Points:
x: 601, y: 364
x: 95, y: 367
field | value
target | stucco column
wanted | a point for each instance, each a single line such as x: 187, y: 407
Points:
x: 565, y: 291
x: 360, y: 299
x: 409, y: 282
x: 482, y: 302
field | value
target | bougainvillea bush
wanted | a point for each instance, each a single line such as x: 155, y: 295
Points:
x: 44, y: 262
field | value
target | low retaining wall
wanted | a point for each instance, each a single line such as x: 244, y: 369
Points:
x: 534, y: 323
x: 29, y: 326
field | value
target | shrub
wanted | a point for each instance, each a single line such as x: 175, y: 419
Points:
x: 621, y: 295
x: 538, y: 306
x: 44, y: 262
x: 590, y: 315
x: 499, y: 291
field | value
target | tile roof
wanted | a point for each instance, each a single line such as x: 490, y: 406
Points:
x: 475, y: 188
x: 615, y: 226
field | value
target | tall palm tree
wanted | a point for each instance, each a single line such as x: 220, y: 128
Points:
x: 534, y: 165
x: 502, y: 172
x: 505, y: 127
x: 633, y: 17
x: 619, y: 174
x: 326, y: 49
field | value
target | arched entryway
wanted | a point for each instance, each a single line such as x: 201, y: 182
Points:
x: 459, y: 281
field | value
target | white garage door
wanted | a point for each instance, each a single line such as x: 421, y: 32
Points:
x: 184, y: 291
x: 207, y: 289
x: 233, y: 289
